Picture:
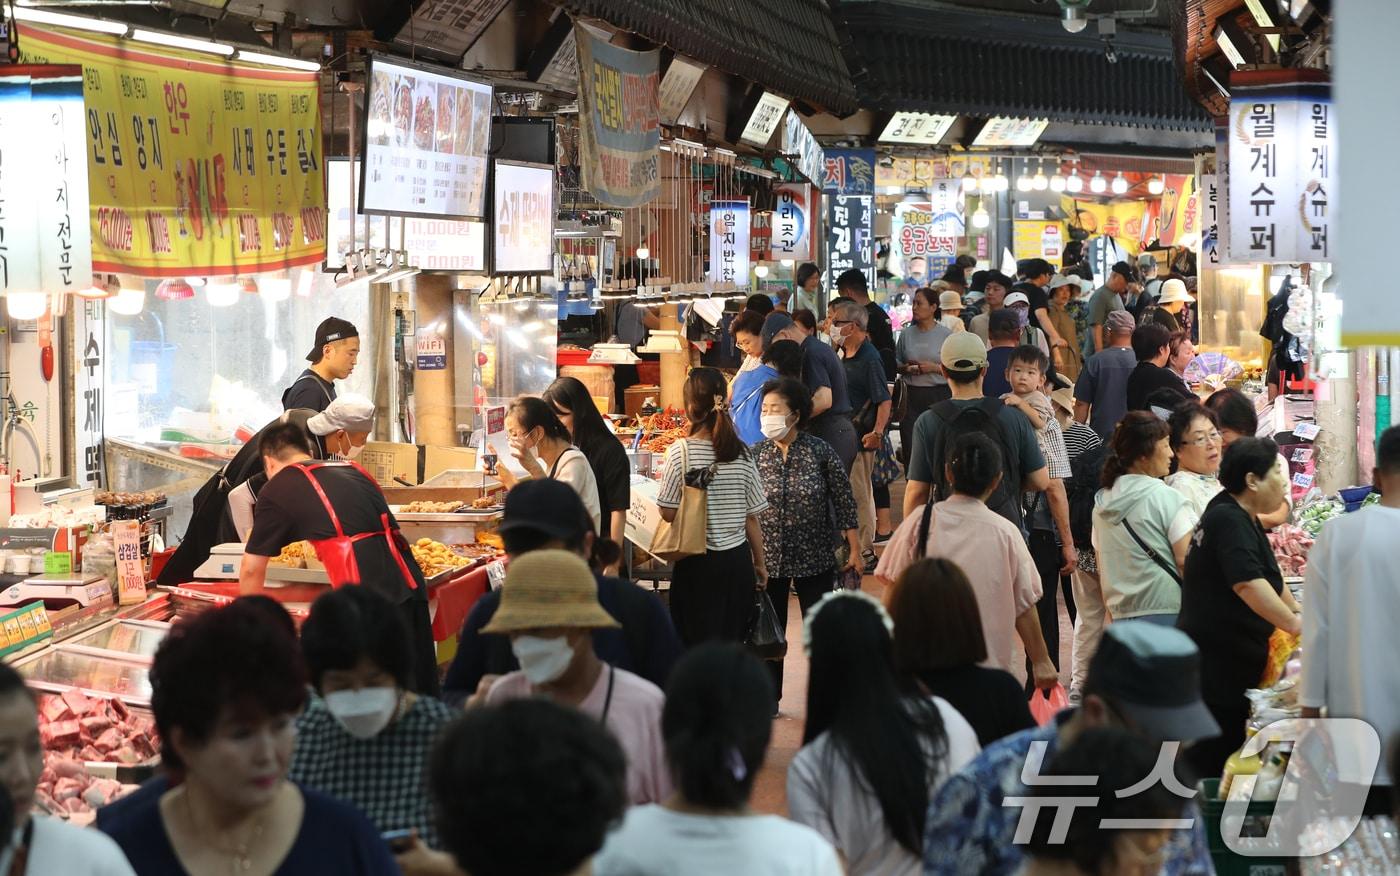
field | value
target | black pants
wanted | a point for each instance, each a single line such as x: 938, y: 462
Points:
x: 810, y: 590
x: 1045, y: 550
x: 836, y: 430
x: 712, y: 596
x: 921, y: 398
x: 882, y: 496
x: 423, y: 652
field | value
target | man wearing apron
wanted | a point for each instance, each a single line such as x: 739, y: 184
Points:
x: 333, y: 358
x: 339, y: 508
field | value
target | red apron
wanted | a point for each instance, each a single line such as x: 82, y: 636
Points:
x: 338, y: 554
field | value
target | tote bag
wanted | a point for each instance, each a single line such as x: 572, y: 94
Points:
x: 685, y: 535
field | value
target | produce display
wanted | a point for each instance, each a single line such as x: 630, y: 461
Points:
x: 1313, y: 515
x: 76, y: 729
x: 1291, y: 545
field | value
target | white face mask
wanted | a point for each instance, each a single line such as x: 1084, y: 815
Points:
x: 773, y: 425
x: 838, y: 335
x: 350, y: 454
x: 364, y: 712
x: 542, y: 660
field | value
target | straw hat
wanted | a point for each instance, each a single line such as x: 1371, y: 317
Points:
x: 1064, y: 397
x: 1174, y: 290
x: 549, y: 588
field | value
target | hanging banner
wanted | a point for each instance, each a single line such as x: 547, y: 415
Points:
x: 194, y: 162
x: 1035, y: 238
x: 850, y: 237
x: 89, y: 338
x: 914, y: 233
x: 802, y: 148
x: 619, y: 121
x: 1177, y: 218
x: 792, y: 222
x: 1282, y: 143
x: 760, y: 236
x: 19, y: 221
x: 849, y: 172
x: 1212, y: 204
x: 765, y: 119
x: 1120, y: 221
x: 729, y: 242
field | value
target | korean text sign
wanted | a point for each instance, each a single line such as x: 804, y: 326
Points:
x: 619, y: 121
x: 850, y: 237
x: 1282, y: 192
x: 849, y: 172
x: 45, y: 238
x: 729, y: 242
x: 192, y: 160
x: 792, y: 221
x: 523, y: 230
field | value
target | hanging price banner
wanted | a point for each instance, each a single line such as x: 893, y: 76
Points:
x: 194, y: 163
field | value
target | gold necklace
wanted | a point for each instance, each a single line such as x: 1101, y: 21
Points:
x: 241, y: 853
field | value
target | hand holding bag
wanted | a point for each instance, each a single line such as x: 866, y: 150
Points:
x: 685, y: 535
x: 1045, y: 704
x: 766, y: 638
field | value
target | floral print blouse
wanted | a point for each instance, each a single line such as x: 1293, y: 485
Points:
x: 809, y: 505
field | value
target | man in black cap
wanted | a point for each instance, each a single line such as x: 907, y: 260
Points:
x: 1109, y: 297
x: 333, y: 358
x: 548, y: 514
x: 1145, y: 679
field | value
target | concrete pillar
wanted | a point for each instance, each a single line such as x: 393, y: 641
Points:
x: 434, y: 398
x: 1335, y: 449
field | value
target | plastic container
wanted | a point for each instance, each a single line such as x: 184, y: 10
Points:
x: 1227, y: 863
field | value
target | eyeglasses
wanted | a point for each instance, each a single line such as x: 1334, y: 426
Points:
x: 1204, y: 440
x: 843, y: 322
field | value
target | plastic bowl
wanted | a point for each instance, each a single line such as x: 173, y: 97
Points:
x: 1353, y: 497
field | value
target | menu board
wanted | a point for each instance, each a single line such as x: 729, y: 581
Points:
x: 523, y: 230
x: 432, y: 244
x: 427, y: 134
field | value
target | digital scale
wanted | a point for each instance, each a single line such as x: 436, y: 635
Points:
x: 60, y: 591
x: 225, y: 559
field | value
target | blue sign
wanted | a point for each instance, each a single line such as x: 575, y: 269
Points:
x: 849, y: 172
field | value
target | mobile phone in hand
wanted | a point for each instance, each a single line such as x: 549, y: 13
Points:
x: 397, y: 840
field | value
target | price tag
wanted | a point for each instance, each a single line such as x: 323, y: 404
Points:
x: 58, y: 563
x: 1301, y: 454
x: 496, y: 574
x: 131, y: 572
x: 1302, y: 481
x: 1307, y: 431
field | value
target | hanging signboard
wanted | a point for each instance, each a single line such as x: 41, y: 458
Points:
x: 523, y: 227
x: 765, y: 118
x: 760, y: 235
x: 914, y: 234
x: 918, y: 129
x: 194, y: 161
x: 19, y: 221
x: 917, y: 173
x: 804, y: 150
x: 427, y: 134
x: 792, y: 222
x: 1281, y: 151
x: 677, y: 86
x: 1177, y: 218
x: 432, y: 244
x: 850, y: 237
x: 89, y: 337
x: 1212, y: 204
x: 619, y: 121
x: 1003, y: 131
x: 849, y: 172
x: 729, y: 242
x: 1039, y: 239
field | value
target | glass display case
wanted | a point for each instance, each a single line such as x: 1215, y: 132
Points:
x: 1231, y: 310
x: 121, y: 640
x: 55, y: 669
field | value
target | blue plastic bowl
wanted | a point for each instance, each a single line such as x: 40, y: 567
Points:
x: 1353, y: 497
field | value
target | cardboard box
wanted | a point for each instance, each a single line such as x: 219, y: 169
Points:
x: 386, y: 460
x: 438, y: 459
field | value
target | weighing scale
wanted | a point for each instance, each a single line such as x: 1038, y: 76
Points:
x: 225, y: 559
x: 60, y: 591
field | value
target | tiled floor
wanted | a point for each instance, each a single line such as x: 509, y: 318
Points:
x: 770, y: 791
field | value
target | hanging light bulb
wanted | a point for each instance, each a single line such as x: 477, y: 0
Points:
x: 26, y: 305
x: 128, y: 302
x: 999, y: 182
x: 1156, y: 186
x: 760, y: 271
x: 787, y: 263
x: 1074, y: 184
x: 980, y: 217
x: 643, y: 253
x: 1120, y: 185
x: 174, y: 289
x: 222, y: 294
x: 1039, y: 182
x: 1023, y: 183
x: 276, y: 288
x: 197, y: 282
x: 99, y: 289
x: 969, y: 182
x: 1058, y: 183
x: 986, y: 184
x: 1098, y: 185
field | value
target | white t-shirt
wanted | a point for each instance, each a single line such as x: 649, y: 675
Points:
x: 60, y: 847
x: 573, y: 469
x: 653, y: 841
x: 838, y: 805
x: 1198, y: 490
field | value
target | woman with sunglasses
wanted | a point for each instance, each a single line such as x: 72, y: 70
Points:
x: 573, y: 405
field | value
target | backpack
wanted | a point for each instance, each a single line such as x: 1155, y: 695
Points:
x: 981, y: 417
x: 1086, y: 474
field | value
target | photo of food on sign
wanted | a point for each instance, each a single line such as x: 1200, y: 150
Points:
x: 424, y: 114
x: 466, y: 112
x: 380, y: 119
x: 446, y: 101
x: 403, y: 109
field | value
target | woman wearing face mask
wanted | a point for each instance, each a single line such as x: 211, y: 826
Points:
x: 549, y: 608
x: 541, y: 444
x: 226, y: 686
x: 810, y: 505
x: 612, y: 471
x: 916, y: 358
x: 365, y: 738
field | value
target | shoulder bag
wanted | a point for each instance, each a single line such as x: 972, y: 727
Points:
x: 685, y: 535
x: 1169, y: 568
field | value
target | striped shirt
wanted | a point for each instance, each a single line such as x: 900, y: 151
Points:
x: 733, y: 494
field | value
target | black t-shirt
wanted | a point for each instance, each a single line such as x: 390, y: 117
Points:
x: 613, y: 473
x: 1229, y: 548
x: 1039, y: 301
x: 991, y: 700
x: 1150, y: 384
x: 881, y: 336
x: 309, y: 390
x: 289, y: 510
x: 995, y: 383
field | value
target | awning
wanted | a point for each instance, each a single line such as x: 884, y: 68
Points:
x: 789, y: 47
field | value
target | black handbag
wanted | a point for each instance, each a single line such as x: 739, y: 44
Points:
x: 863, y: 420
